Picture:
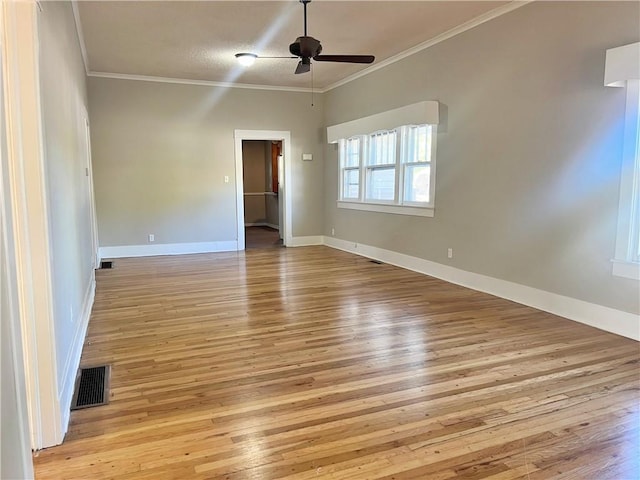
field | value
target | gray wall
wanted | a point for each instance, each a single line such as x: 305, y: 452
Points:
x: 161, y: 151
x: 528, y: 154
x: 64, y: 109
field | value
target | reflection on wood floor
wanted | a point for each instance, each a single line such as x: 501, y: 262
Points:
x: 313, y: 363
x: 262, y: 237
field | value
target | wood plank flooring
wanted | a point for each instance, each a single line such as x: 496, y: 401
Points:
x: 262, y: 237
x: 311, y: 363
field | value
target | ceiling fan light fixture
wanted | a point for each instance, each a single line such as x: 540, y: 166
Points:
x: 246, y: 59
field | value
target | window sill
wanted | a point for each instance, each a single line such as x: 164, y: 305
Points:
x: 622, y: 268
x: 395, y: 209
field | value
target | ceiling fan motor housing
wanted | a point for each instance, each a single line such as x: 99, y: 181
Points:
x: 305, y: 47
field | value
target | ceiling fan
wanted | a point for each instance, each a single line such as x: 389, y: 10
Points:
x: 307, y: 48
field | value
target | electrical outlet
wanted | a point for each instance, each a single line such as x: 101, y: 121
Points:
x: 450, y: 252
x: 226, y: 179
x: 152, y: 237
x: 333, y: 232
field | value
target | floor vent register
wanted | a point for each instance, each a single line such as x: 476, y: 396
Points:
x: 92, y: 387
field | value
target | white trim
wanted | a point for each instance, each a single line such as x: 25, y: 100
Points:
x: 8, y: 280
x: 206, y: 83
x: 306, y: 241
x: 627, y: 231
x: 95, y: 243
x: 27, y: 180
x: 626, y: 269
x: 384, y: 208
x: 496, y: 12
x: 284, y: 191
x: 124, y: 251
x: 622, y: 64
x: 83, y: 48
x: 73, y: 360
x: 598, y: 316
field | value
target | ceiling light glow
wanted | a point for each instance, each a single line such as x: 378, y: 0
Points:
x: 246, y: 59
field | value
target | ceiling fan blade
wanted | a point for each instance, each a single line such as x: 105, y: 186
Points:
x: 303, y: 67
x: 345, y: 58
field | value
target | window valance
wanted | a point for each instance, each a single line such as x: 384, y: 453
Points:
x: 622, y: 64
x: 421, y: 113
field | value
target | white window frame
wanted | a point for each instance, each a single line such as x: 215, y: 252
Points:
x: 398, y: 205
x: 370, y: 167
x: 343, y: 145
x: 428, y: 162
x: 627, y: 255
x: 622, y: 69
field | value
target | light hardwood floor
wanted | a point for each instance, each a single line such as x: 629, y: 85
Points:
x: 311, y: 363
x: 262, y: 237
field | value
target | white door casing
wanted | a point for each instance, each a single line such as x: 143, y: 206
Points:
x: 27, y: 199
x: 93, y: 220
x: 284, y: 192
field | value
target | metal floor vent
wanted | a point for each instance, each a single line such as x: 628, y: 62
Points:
x: 92, y: 387
x: 106, y: 265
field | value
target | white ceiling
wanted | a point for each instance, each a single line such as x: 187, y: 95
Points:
x: 197, y: 40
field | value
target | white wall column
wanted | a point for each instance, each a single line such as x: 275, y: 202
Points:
x: 27, y: 200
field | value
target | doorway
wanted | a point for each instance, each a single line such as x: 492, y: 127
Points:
x: 261, y: 183
x: 262, y: 188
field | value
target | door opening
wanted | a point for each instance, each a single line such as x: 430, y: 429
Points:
x: 263, y: 203
x: 261, y: 186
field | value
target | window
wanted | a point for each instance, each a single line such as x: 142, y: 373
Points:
x: 350, y: 168
x: 381, y: 167
x: 389, y: 171
x: 633, y: 95
x: 627, y: 256
x: 417, y: 166
x: 622, y: 69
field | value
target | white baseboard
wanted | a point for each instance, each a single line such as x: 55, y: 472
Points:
x: 73, y: 359
x: 167, y: 249
x: 598, y: 316
x: 306, y: 241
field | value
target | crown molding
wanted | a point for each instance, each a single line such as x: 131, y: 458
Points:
x: 83, y: 48
x: 206, y: 83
